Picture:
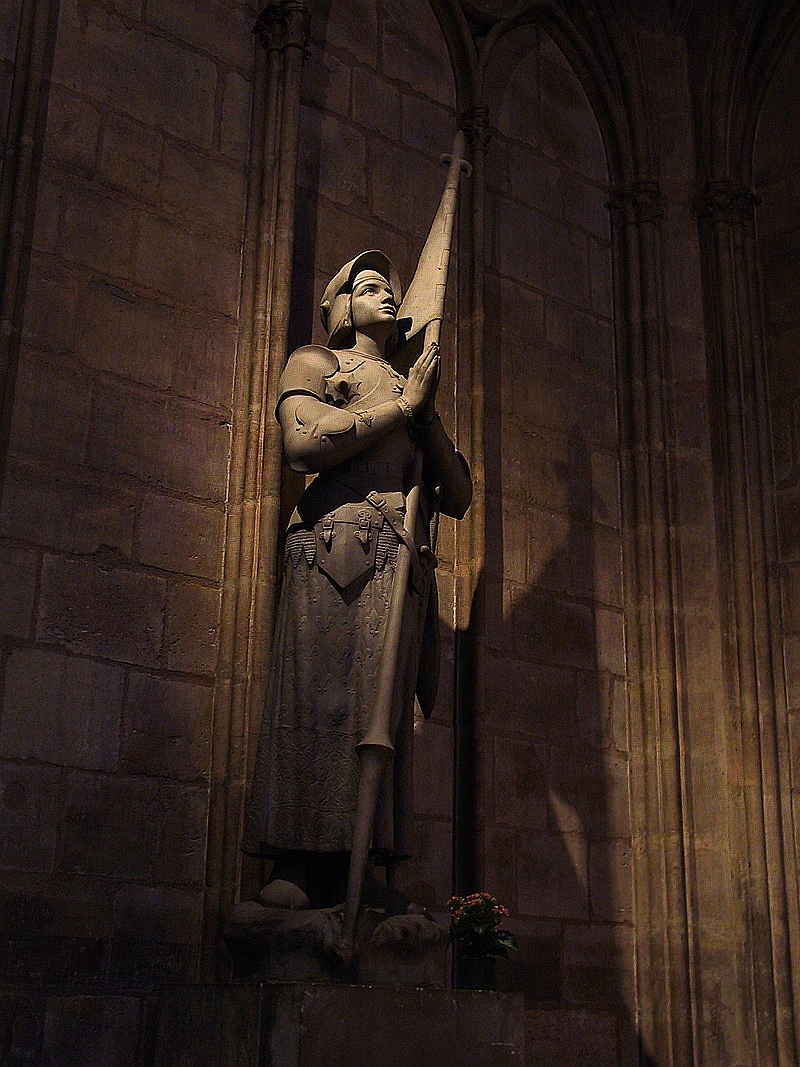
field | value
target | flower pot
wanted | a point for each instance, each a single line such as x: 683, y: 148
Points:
x: 475, y: 972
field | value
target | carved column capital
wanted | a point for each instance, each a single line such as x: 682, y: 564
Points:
x: 639, y: 201
x: 282, y: 25
x: 475, y: 124
x: 725, y: 200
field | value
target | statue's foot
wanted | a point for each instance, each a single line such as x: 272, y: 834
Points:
x: 281, y: 893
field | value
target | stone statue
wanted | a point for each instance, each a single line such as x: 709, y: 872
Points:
x: 349, y: 416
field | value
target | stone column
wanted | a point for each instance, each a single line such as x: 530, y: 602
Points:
x: 657, y: 728
x: 758, y: 724
x: 36, y: 28
x: 250, y: 574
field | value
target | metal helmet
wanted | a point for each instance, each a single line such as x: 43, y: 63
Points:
x: 335, y: 304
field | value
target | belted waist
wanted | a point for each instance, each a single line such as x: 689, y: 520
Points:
x: 371, y: 466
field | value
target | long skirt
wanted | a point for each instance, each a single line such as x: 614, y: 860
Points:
x: 324, y: 677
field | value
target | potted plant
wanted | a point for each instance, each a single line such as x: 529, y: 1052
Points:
x: 478, y: 939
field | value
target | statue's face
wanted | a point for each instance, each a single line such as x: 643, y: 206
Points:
x: 373, y: 301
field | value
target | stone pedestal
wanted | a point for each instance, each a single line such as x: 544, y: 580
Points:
x: 287, y: 1024
x: 278, y: 945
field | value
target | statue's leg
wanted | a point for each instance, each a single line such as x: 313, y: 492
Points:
x: 287, y: 886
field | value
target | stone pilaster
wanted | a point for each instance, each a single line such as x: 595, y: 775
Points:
x: 656, y: 713
x: 757, y: 725
x: 250, y: 579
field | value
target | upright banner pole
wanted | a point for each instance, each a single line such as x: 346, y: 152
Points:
x: 424, y: 307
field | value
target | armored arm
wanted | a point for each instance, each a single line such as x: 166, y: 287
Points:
x: 317, y: 435
x: 445, y: 466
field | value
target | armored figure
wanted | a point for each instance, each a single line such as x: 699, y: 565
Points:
x: 350, y: 417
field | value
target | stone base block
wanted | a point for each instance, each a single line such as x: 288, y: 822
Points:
x: 277, y: 945
x: 284, y: 1024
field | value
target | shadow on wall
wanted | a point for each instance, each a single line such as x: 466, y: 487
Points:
x: 552, y: 767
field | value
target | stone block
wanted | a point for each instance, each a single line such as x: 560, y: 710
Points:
x: 530, y: 699
x: 169, y: 443
x: 610, y: 625
x: 605, y: 489
x: 202, y: 191
x: 200, y: 272
x: 77, y: 518
x: 601, y: 285
x: 19, y: 568
x: 110, y: 827
x: 61, y: 710
x: 498, y: 864
x: 222, y: 30
x: 426, y: 877
x: 552, y: 629
x: 410, y: 199
x: 290, y: 1024
x: 571, y: 1038
x: 353, y: 31
x: 43, y: 958
x: 167, y: 728
x: 585, y: 207
x: 520, y: 783
x: 110, y: 612
x: 98, y: 1030
x: 552, y: 871
x: 29, y: 802
x: 535, y: 181
x: 130, y: 157
x: 598, y: 965
x: 594, y: 784
x: 542, y: 254
x: 581, y: 344
x: 426, y: 127
x: 611, y: 880
x: 514, y: 66
x: 47, y: 217
x: 141, y: 962
x: 433, y: 770
x: 51, y: 411
x: 326, y: 84
x: 98, y: 231
x: 192, y: 628
x: 181, y: 536
x: 126, y: 335
x: 204, y: 357
x: 414, y: 52
x: 21, y: 1026
x: 72, y: 133
x: 332, y: 249
x: 376, y: 103
x: 335, y: 165
x: 535, y: 970
x: 158, y: 914
x: 234, y: 134
x: 605, y: 558
x: 569, y: 129
x: 160, y: 83
x: 51, y: 297
x: 183, y: 821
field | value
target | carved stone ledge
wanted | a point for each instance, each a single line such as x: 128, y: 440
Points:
x: 724, y: 200
x: 286, y: 24
x: 639, y: 201
x: 475, y: 124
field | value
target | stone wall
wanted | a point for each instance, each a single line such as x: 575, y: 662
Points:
x: 621, y: 628
x: 115, y: 487
x: 552, y: 729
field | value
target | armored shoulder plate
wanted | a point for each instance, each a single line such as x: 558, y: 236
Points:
x: 306, y: 372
